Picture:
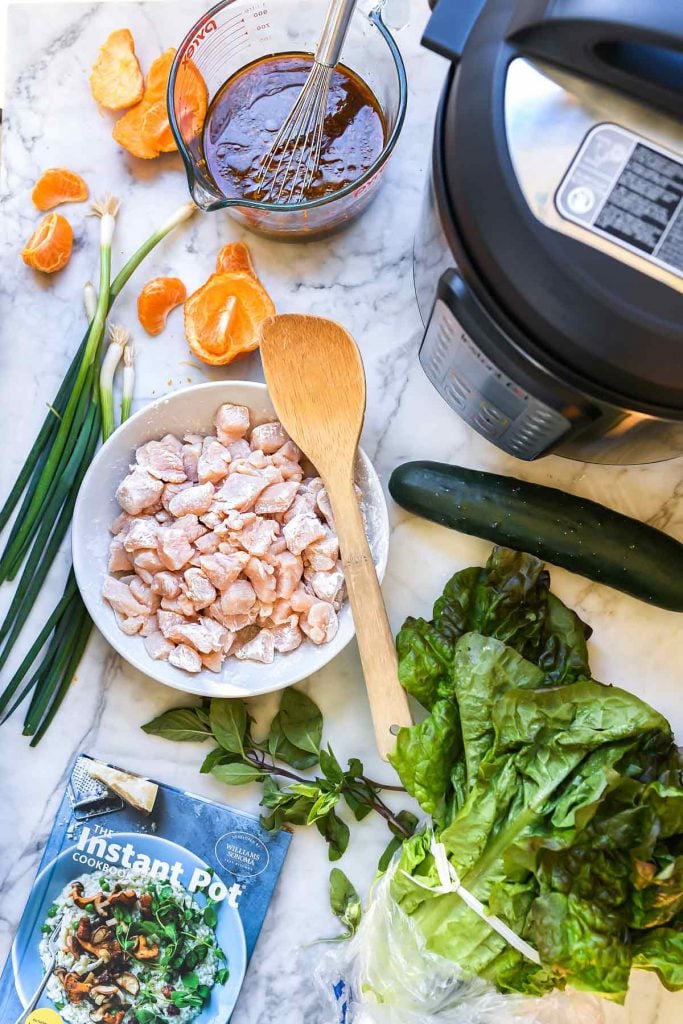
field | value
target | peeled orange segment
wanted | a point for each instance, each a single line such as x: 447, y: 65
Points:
x: 116, y: 79
x: 222, y: 317
x: 155, y: 127
x: 234, y: 256
x: 145, y: 130
x: 58, y: 185
x: 129, y: 132
x: 49, y: 247
x: 157, y: 299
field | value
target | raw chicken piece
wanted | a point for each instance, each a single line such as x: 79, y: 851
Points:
x: 257, y: 537
x: 282, y: 612
x: 142, y: 534
x: 238, y: 598
x: 222, y: 570
x: 163, y: 459
x: 119, y: 596
x: 130, y: 625
x: 302, y: 531
x: 191, y: 527
x: 290, y: 452
x: 196, y: 500
x: 287, y: 637
x: 322, y: 555
x: 144, y: 594
x: 269, y: 437
x: 289, y: 569
x: 147, y: 564
x: 120, y: 524
x: 323, y: 502
x: 186, y: 658
x: 213, y: 661
x: 200, y: 592
x: 180, y: 605
x: 173, y: 546
x: 278, y: 547
x: 232, y: 422
x: 192, y: 449
x: 262, y: 577
x: 138, y: 491
x: 157, y: 646
x: 235, y: 623
x: 118, y: 556
x: 239, y: 449
x: 276, y: 498
x: 167, y: 620
x: 320, y: 623
x: 303, y: 599
x: 150, y: 625
x: 166, y: 584
x: 265, y: 611
x: 261, y: 648
x: 304, y: 503
x: 211, y: 520
x: 170, y: 491
x: 219, y: 635
x: 163, y: 517
x: 241, y: 491
x: 213, y: 461
x: 257, y: 459
x: 192, y: 633
x: 208, y: 543
x: 234, y: 521
x: 327, y: 585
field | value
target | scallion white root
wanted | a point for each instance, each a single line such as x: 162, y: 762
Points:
x: 128, y: 381
x: 118, y: 339
x: 90, y: 301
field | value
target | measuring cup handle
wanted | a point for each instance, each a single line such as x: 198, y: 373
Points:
x: 334, y: 31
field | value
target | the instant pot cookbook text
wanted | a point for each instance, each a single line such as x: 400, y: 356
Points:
x: 146, y: 907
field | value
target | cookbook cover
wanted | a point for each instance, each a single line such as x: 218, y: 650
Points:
x: 146, y: 907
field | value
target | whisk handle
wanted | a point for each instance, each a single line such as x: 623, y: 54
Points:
x: 334, y: 31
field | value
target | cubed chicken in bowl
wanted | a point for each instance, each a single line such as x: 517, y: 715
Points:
x: 205, y: 547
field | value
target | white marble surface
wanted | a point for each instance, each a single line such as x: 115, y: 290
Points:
x: 362, y: 277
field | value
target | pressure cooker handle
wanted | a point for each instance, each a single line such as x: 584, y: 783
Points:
x: 450, y: 25
x: 635, y: 46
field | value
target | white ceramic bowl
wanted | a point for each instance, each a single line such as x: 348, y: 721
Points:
x: 192, y: 410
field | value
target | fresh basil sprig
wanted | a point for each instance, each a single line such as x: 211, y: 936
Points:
x: 294, y: 739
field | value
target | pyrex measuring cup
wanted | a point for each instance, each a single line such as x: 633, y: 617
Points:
x: 235, y: 33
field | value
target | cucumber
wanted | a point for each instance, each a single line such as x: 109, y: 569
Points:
x: 577, y: 534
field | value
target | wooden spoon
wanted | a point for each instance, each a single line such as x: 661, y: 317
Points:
x: 315, y: 377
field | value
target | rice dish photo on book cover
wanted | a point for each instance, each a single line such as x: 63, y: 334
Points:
x: 146, y: 908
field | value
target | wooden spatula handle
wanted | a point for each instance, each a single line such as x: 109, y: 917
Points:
x: 388, y: 700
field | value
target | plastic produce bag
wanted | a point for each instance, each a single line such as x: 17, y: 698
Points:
x: 385, y: 975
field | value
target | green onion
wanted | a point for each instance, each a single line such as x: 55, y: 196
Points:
x: 128, y: 381
x: 118, y: 340
x: 46, y: 489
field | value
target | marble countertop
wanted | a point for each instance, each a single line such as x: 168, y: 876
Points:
x: 363, y: 277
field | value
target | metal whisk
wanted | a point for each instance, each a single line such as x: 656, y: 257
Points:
x: 295, y: 154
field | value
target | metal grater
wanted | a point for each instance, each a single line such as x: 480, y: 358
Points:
x: 88, y: 797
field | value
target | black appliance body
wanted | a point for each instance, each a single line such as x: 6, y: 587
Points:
x: 548, y: 258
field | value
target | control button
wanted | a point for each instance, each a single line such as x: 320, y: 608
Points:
x: 454, y: 397
x: 492, y: 413
x: 460, y: 385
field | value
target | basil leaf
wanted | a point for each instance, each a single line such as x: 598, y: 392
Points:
x: 182, y: 724
x: 331, y: 768
x: 385, y: 860
x: 279, y: 747
x: 344, y: 900
x: 217, y: 756
x: 238, y: 774
x: 229, y: 723
x: 301, y: 721
x: 336, y: 834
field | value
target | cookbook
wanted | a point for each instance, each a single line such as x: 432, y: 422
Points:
x: 146, y: 908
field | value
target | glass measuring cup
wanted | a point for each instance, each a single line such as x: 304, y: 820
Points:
x: 236, y: 33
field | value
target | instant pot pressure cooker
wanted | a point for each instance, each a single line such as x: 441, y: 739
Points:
x: 549, y: 254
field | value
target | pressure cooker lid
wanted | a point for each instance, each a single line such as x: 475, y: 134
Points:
x: 585, y: 293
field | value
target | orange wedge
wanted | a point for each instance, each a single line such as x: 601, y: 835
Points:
x: 234, y: 256
x: 58, y: 185
x: 222, y: 317
x: 49, y: 247
x: 116, y: 79
x: 156, y: 300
